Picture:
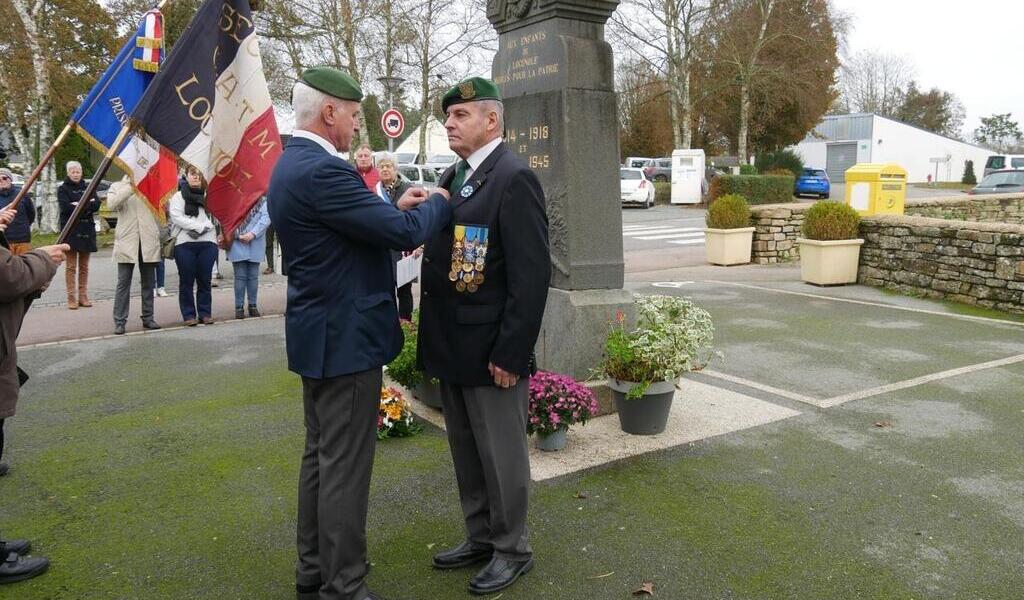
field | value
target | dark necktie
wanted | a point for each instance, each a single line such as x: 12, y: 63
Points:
x: 460, y: 176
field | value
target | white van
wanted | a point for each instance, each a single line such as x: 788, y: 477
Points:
x: 997, y: 162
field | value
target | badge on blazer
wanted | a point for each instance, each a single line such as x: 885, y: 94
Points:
x: 469, y: 252
x: 466, y: 191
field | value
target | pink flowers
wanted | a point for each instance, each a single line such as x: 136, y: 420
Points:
x: 558, y: 401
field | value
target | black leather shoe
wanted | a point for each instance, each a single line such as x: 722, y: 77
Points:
x: 4, y: 469
x: 118, y: 329
x: 151, y: 325
x: 239, y: 313
x: 463, y: 555
x: 307, y: 592
x: 253, y: 311
x: 21, y: 547
x: 20, y: 568
x: 498, y: 575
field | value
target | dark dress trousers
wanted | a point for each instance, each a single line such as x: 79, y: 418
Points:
x: 342, y: 326
x: 498, y: 240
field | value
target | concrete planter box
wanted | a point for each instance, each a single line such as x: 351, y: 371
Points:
x: 728, y: 246
x: 832, y: 262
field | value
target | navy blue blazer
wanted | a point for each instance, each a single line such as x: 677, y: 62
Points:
x: 336, y: 237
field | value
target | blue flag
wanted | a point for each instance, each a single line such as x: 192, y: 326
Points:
x: 111, y: 101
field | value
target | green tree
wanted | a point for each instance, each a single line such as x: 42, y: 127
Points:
x: 999, y: 131
x: 969, y: 177
x: 935, y: 110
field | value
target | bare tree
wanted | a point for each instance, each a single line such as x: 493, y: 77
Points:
x: 665, y: 34
x: 875, y: 82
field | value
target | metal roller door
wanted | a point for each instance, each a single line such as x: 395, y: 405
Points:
x: 839, y: 158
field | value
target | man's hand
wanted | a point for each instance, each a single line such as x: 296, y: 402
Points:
x: 247, y: 237
x: 6, y: 216
x: 502, y: 378
x: 57, y: 253
x: 412, y: 198
x: 418, y: 252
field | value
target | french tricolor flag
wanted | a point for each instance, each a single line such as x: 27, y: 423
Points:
x: 209, y: 104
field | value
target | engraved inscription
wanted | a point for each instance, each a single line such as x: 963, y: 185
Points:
x: 528, y: 63
x: 532, y: 143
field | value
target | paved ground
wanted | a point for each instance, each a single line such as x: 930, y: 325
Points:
x: 850, y: 444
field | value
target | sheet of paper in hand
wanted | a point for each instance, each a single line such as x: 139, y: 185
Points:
x: 408, y: 269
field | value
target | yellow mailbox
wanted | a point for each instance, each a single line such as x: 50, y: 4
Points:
x: 874, y: 189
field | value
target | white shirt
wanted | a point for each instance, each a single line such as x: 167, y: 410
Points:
x: 477, y: 158
x: 309, y: 135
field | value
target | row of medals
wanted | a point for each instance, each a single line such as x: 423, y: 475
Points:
x: 468, y: 266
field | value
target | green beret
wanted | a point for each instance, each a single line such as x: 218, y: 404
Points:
x: 471, y: 90
x: 333, y: 83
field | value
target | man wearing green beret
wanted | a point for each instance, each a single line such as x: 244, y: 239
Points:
x: 485, y: 284
x: 341, y: 321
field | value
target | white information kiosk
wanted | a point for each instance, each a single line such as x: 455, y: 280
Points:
x: 687, y: 176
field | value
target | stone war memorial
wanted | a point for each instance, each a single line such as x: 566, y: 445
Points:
x: 555, y: 71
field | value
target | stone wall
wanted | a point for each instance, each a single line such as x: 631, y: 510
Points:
x: 964, y: 261
x: 776, y: 227
x: 1002, y: 208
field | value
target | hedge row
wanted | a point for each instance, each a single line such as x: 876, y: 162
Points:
x: 757, y: 189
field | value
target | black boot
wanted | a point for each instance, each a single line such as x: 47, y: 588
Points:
x: 239, y: 313
x: 21, y: 547
x: 20, y: 568
x: 253, y: 311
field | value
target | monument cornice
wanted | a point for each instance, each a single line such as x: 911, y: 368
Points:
x: 508, y: 15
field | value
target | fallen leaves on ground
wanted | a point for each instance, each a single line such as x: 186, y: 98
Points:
x: 645, y: 589
x: 608, y: 574
x: 883, y: 424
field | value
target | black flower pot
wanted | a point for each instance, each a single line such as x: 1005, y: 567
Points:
x: 429, y: 393
x: 648, y: 414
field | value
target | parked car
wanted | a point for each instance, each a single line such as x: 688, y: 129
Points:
x: 405, y: 158
x: 1001, y: 182
x: 659, y: 169
x: 635, y: 188
x: 636, y: 162
x: 420, y: 175
x: 998, y: 162
x: 440, y: 162
x: 812, y: 182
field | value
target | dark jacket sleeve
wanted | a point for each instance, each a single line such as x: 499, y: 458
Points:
x: 346, y: 206
x: 64, y: 199
x: 523, y: 224
x: 23, y: 275
x: 29, y: 207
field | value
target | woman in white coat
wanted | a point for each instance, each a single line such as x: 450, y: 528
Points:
x: 136, y: 242
x: 195, y: 248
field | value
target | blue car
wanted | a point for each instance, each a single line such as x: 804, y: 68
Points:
x: 812, y: 182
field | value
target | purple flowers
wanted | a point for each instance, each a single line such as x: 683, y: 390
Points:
x: 558, y: 401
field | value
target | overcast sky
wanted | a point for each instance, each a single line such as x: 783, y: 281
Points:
x: 973, y: 49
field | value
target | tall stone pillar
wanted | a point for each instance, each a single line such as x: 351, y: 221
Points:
x: 555, y: 71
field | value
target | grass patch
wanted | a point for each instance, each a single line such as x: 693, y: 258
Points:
x: 103, y: 240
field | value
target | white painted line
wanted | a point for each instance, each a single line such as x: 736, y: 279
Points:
x: 653, y: 230
x: 686, y: 242
x: 867, y: 303
x: 674, y: 233
x: 671, y: 284
x: 909, y: 383
x: 699, y: 411
x: 764, y: 388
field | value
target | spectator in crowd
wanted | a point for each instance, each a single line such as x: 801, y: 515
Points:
x: 22, y: 279
x: 269, y: 270
x: 136, y: 242
x: 195, y: 249
x: 391, y: 188
x: 246, y: 253
x: 19, y: 231
x: 364, y: 165
x: 82, y: 239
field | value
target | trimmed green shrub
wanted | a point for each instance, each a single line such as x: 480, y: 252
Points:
x: 728, y: 212
x: 767, y: 162
x: 662, y: 192
x: 757, y: 189
x: 969, y: 176
x: 403, y: 369
x: 831, y: 221
x: 748, y: 170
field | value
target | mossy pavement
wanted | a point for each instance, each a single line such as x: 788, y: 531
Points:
x: 165, y: 466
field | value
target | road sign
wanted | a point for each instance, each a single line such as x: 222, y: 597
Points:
x: 392, y: 122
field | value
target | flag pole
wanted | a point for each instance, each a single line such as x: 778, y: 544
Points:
x: 53, y: 150
x: 90, y: 190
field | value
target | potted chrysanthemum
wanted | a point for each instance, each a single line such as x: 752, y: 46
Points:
x: 557, y: 402
x: 643, y: 365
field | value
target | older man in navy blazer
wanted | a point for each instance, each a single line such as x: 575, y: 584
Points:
x: 341, y: 322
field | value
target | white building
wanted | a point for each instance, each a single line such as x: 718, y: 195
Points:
x: 841, y: 141
x: 437, y: 140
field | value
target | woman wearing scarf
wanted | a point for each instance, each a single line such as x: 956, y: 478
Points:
x: 195, y: 248
x: 247, y: 251
x: 83, y: 235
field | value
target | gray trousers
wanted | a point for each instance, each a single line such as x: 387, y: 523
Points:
x: 123, y: 292
x: 487, y: 434
x: 334, y: 482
